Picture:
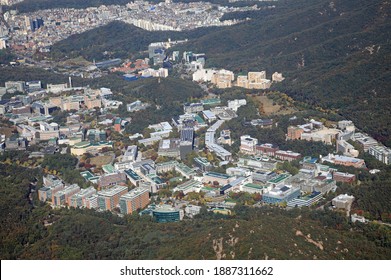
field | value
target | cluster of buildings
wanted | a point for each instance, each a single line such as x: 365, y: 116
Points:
x: 250, y: 146
x: 37, y: 31
x: 341, y: 136
x: 225, y: 79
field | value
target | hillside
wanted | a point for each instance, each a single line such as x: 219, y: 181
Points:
x: 334, y: 54
x: 33, y: 230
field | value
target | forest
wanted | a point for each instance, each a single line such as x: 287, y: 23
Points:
x: 33, y: 230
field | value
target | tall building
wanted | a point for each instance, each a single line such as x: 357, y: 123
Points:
x: 79, y: 199
x: 137, y: 198
x: 62, y: 197
x: 109, y: 199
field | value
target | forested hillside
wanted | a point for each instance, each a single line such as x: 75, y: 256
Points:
x: 31, y: 230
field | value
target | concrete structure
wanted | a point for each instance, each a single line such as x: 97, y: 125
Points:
x: 287, y: 155
x: 133, y: 177
x: 134, y: 200
x: 78, y: 200
x: 343, y: 201
x: 344, y: 177
x: 166, y: 214
x: 169, y: 148
x: 248, y: 144
x: 281, y: 194
x: 62, y: 197
x: 189, y: 186
x: 109, y: 199
x: 381, y: 153
x: 253, y: 188
x: 222, y: 179
x: 344, y: 160
x: 306, y: 200
x: 112, y: 179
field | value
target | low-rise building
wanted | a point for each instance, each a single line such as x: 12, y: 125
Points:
x: 344, y: 177
x: 305, y: 200
x: 343, y: 201
x: 222, y: 179
x: 189, y: 186
x: 281, y: 194
x: 381, y: 153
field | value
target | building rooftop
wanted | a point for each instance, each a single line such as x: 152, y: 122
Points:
x: 132, y: 174
x: 217, y: 175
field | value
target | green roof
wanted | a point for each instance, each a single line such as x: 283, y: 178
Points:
x: 279, y: 178
x: 254, y: 186
x: 217, y: 175
x: 82, y: 144
x: 199, y: 119
x: 211, y: 101
x: 108, y: 168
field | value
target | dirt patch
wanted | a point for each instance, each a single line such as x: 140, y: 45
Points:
x: 101, y: 160
x: 267, y: 106
x: 7, y: 131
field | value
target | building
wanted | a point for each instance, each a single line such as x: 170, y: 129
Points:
x: 189, y: 186
x: 262, y: 163
x: 287, y: 155
x: 203, y: 164
x: 344, y: 177
x: 192, y: 210
x: 236, y: 104
x: 266, y: 149
x: 191, y: 108
x: 81, y: 148
x: 253, y: 188
x: 294, y: 133
x: 281, y: 194
x: 133, y: 177
x: 306, y: 200
x: 78, y: 200
x: 169, y: 148
x: 365, y: 141
x: 167, y: 214
x: 343, y: 201
x: 109, y: 199
x: 13, y: 86
x: 344, y: 160
x: 136, y: 199
x: 131, y: 154
x: 277, y: 77
x: 91, y: 202
x: 112, y: 179
x: 381, y: 153
x: 62, y: 197
x: 220, y: 178
x: 222, y: 78
x: 279, y: 180
x: 254, y: 80
x: 167, y: 166
x: 263, y: 176
x: 51, y: 186
x: 234, y: 185
x: 247, y: 144
x: 346, y: 148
